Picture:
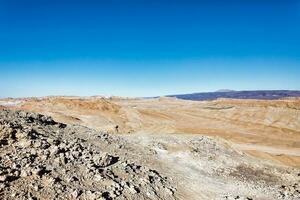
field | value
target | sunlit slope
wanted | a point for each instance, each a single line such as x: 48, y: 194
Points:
x: 265, y: 128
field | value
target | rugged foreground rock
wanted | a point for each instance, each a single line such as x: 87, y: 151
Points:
x: 42, y: 159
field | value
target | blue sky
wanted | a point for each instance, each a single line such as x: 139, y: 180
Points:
x: 147, y: 48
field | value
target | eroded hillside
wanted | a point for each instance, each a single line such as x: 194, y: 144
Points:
x: 43, y: 159
x: 269, y: 129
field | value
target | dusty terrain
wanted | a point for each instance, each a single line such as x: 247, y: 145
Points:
x: 44, y: 159
x: 268, y: 129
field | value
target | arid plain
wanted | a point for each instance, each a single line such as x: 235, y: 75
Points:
x: 267, y: 129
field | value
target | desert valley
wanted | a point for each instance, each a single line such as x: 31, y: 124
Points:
x: 149, y: 100
x: 213, y: 149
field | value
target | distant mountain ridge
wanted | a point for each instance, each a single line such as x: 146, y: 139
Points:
x: 255, y: 94
x: 225, y: 90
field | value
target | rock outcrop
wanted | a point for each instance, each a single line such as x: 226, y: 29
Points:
x: 43, y: 159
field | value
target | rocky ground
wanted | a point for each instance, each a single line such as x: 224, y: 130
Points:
x: 44, y: 159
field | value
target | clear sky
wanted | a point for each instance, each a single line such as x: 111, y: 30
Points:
x: 147, y: 47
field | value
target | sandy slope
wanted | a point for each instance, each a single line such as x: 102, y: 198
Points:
x: 266, y: 129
